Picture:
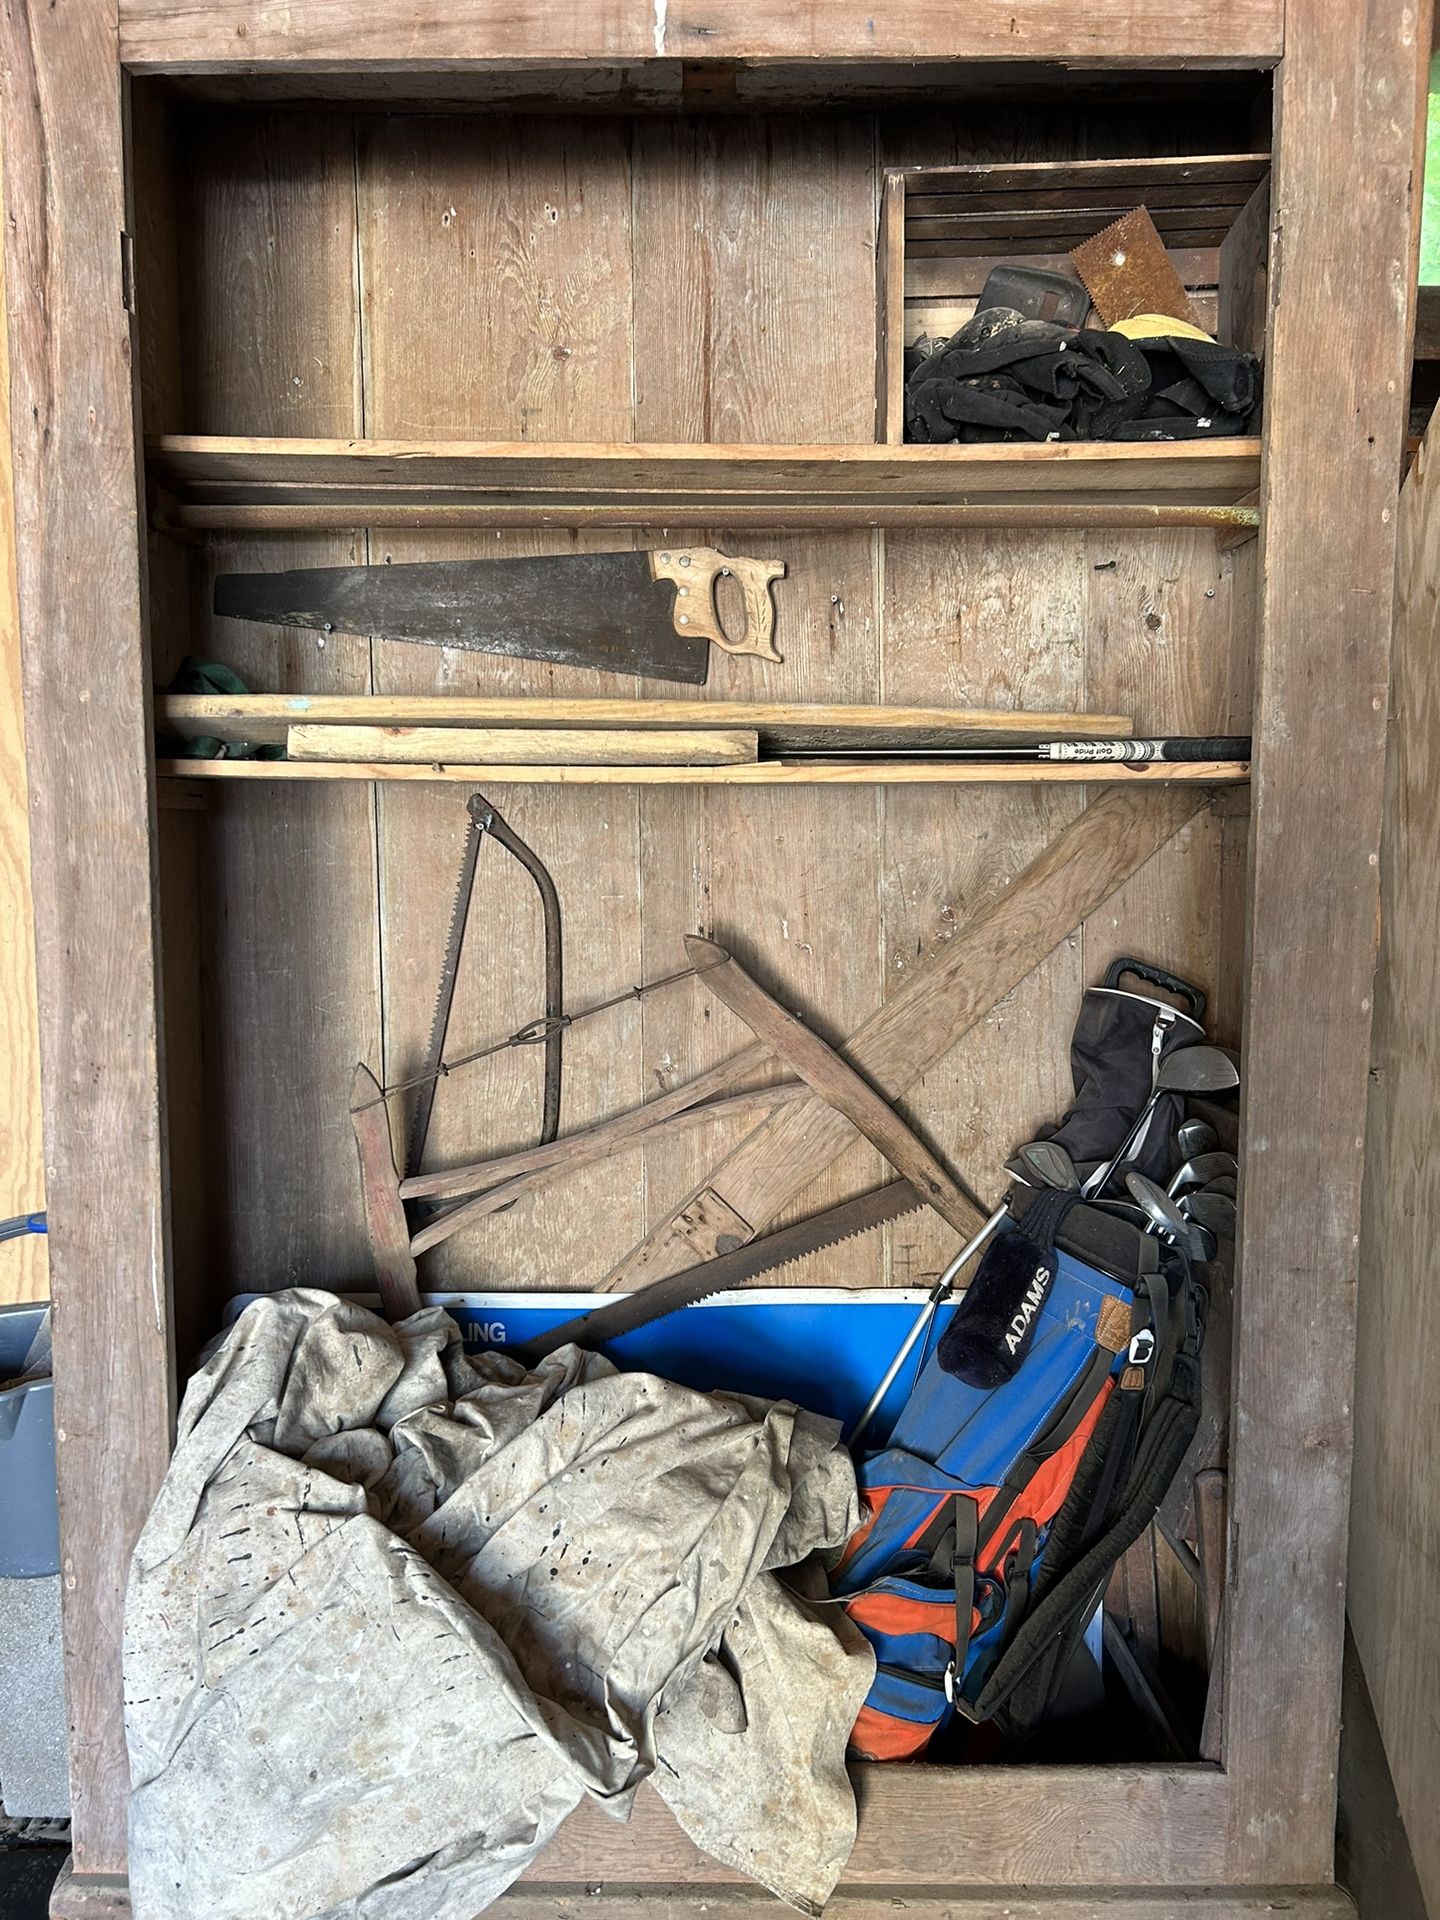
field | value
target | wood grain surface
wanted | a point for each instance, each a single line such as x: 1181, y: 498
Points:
x: 919, y: 1023
x: 513, y: 280
x: 1071, y: 1833
x: 268, y: 246
x: 24, y: 1272
x: 1346, y: 167
x: 88, y: 742
x: 750, y: 774
x: 264, y: 717
x: 664, y: 482
x: 1395, y: 1508
x: 526, y: 746
x: 211, y: 35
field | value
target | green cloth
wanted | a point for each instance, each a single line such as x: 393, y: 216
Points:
x: 209, y: 676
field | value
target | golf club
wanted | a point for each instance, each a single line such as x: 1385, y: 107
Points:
x: 1187, y: 1070
x: 1212, y: 1210
x: 1194, y: 1137
x: 1205, y: 1166
x: 938, y: 1292
x: 1165, y: 1217
x: 1048, y: 1164
x: 1224, y: 1185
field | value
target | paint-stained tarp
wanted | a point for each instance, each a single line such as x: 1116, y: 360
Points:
x: 396, y: 1612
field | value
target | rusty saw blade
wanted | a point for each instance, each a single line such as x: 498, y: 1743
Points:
x: 653, y: 614
x: 733, y: 1269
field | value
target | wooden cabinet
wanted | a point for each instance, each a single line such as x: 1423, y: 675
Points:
x: 322, y: 284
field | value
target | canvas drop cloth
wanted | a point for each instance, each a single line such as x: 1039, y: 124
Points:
x: 396, y: 1612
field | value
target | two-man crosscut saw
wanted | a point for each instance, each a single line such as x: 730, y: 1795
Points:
x: 550, y: 1029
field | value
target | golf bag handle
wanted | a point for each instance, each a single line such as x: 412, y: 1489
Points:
x: 1194, y: 997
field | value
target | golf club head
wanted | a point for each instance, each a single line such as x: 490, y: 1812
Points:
x: 1194, y: 1137
x: 1225, y: 1185
x: 1197, y: 1070
x: 1051, y: 1166
x: 1205, y: 1166
x: 1212, y: 1210
x: 1157, y: 1206
x: 1199, y: 1242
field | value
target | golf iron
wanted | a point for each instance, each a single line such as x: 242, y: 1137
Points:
x: 1203, y: 1168
x: 1166, y: 1218
x: 1187, y: 1070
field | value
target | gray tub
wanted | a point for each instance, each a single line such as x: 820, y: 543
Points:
x: 29, y: 1530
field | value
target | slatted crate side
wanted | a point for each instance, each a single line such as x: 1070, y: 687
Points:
x: 944, y: 228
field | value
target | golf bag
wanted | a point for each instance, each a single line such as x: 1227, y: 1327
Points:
x: 1120, y: 1038
x: 992, y: 1519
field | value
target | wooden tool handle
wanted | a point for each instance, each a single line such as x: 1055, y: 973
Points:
x: 694, y: 572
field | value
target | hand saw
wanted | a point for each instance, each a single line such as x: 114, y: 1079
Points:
x: 548, y: 1031
x: 734, y: 1269
x: 650, y: 614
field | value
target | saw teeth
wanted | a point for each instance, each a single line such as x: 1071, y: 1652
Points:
x: 855, y: 1233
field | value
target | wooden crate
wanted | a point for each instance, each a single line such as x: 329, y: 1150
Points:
x: 942, y: 229
x: 340, y: 332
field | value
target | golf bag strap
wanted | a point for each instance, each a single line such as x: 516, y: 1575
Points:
x: 962, y: 1573
x: 1162, y: 1448
x: 952, y: 1540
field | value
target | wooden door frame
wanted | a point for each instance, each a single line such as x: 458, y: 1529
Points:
x: 1342, y: 220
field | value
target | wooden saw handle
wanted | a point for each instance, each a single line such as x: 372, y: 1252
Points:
x: 694, y: 570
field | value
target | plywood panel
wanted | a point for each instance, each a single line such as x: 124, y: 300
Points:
x: 288, y: 915
x: 523, y: 229
x: 1395, y: 1510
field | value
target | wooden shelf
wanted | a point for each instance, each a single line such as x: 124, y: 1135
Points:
x: 784, y: 726
x: 753, y: 773
x: 224, y: 484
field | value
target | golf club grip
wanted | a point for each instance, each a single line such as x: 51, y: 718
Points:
x: 1207, y: 747
x: 1202, y: 747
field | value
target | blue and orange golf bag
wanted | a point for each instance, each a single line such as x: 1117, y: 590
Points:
x: 993, y: 1517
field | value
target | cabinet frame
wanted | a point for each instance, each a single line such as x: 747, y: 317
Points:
x: 1343, y: 218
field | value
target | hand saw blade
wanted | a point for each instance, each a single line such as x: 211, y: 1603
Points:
x: 733, y: 1269
x: 636, y: 613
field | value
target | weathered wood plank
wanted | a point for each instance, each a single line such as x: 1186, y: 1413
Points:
x: 1395, y: 1508
x: 196, y: 36
x: 925, y: 1903
x: 1158, y: 636
x: 523, y: 226
x: 24, y: 1274
x: 756, y: 774
x: 1078, y: 1830
x: 1344, y: 202
x: 988, y: 618
x: 718, y: 473
x: 267, y: 223
x: 522, y: 746
x: 85, y: 670
x: 1014, y: 930
x: 267, y: 717
x: 762, y: 353
x: 97, y: 1899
